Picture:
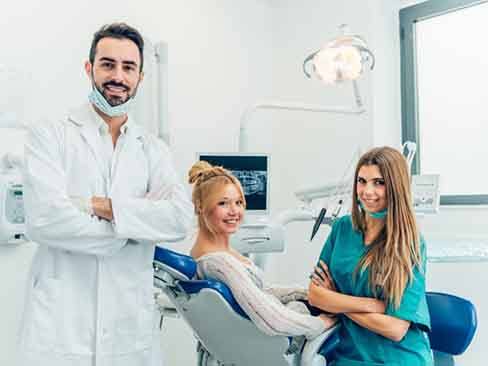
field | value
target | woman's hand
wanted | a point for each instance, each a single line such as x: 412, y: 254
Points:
x: 287, y: 294
x: 321, y: 277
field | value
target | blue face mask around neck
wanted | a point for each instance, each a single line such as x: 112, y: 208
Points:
x: 375, y: 215
x: 99, y: 101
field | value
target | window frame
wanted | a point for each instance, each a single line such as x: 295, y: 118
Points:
x: 409, y: 91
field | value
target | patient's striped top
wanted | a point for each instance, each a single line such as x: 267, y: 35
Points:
x: 274, y: 310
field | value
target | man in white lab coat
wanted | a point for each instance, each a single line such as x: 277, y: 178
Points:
x: 99, y: 193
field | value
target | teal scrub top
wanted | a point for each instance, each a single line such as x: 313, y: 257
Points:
x: 342, y: 252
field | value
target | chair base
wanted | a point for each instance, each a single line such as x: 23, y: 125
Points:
x: 443, y: 359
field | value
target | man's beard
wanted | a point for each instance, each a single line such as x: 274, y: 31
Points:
x: 114, y: 100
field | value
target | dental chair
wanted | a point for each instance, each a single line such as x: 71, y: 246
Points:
x: 224, y: 332
x: 453, y: 325
x: 226, y: 336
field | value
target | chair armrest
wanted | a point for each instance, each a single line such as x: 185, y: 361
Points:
x: 321, y: 346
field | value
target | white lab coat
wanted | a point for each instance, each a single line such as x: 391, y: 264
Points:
x: 90, y: 297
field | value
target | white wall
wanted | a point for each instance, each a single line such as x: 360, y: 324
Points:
x: 386, y: 81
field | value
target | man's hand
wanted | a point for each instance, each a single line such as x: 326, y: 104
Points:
x: 102, y: 207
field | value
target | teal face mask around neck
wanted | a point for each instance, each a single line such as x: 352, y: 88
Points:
x: 375, y: 215
x: 99, y: 101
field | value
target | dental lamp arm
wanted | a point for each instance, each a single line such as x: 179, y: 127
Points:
x: 301, y: 214
x: 307, y: 195
x: 282, y: 105
x: 308, y: 213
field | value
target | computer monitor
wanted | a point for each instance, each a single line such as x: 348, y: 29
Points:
x: 252, y: 170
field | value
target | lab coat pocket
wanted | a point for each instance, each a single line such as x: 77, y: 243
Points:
x: 44, y: 324
x: 126, y: 322
x: 146, y: 318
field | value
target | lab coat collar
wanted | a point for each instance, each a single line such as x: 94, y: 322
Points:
x: 87, y: 118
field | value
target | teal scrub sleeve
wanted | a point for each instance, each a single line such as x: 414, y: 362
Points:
x: 328, y: 247
x: 413, y: 306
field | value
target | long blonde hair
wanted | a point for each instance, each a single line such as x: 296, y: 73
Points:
x: 207, y: 182
x: 395, y: 252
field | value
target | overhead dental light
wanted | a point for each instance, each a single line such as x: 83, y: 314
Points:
x: 342, y: 59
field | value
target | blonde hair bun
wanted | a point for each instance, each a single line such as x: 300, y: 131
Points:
x: 198, y: 170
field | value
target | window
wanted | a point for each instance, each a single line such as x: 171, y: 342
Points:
x: 444, y: 78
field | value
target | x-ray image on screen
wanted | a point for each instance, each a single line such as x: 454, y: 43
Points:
x: 252, y: 172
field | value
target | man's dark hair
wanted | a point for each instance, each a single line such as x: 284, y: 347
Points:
x: 118, y: 31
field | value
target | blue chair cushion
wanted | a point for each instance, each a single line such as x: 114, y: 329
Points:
x: 184, y: 264
x: 453, y: 322
x: 187, y: 266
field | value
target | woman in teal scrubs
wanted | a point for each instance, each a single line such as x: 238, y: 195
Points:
x: 371, y: 271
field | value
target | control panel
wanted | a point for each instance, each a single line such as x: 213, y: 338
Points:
x: 426, y: 193
x: 12, y: 216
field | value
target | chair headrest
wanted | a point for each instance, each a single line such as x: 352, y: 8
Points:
x: 453, y: 322
x: 180, y: 266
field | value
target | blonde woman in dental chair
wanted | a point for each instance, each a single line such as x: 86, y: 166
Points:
x: 219, y: 204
